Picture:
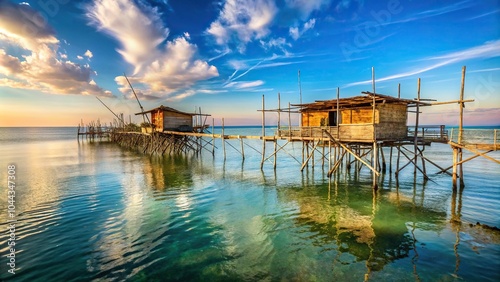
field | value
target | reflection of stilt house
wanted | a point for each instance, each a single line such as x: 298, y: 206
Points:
x: 169, y: 119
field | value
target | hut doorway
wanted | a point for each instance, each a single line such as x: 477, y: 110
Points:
x: 332, y: 118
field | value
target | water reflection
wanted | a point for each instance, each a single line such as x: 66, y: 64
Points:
x: 371, y: 227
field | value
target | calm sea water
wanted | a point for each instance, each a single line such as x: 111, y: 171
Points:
x: 92, y: 211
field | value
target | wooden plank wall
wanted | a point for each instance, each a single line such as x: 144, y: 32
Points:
x: 359, y: 115
x: 392, y: 123
x: 314, y: 118
x: 173, y: 120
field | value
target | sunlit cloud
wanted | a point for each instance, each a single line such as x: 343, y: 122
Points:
x: 88, y: 54
x: 44, y: 68
x: 162, y: 67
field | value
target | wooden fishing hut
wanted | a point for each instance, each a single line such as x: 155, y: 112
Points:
x: 355, y: 119
x: 169, y: 119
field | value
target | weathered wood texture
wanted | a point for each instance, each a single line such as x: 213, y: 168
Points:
x: 358, y: 115
x: 319, y: 118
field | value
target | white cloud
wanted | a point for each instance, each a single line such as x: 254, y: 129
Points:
x: 162, y: 67
x: 244, y: 84
x: 296, y: 32
x: 242, y: 21
x: 276, y: 43
x: 88, y: 54
x: 44, y: 68
x: 490, y: 49
x: 79, y: 57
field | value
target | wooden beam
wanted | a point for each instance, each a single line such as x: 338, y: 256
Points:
x: 352, y: 153
x: 453, y: 144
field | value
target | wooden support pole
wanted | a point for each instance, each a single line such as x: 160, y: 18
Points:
x: 415, y: 138
x: 312, y: 153
x: 329, y: 155
x: 323, y: 156
x: 454, y: 175
x: 338, y: 113
x: 463, y: 161
x: 375, y: 157
x: 289, y: 121
x: 223, y: 140
x: 352, y: 153
x: 483, y: 154
x: 461, y: 123
x: 309, y: 157
x: 390, y: 159
x: 263, y: 133
x: 213, y: 137
x: 242, y: 149
x: 279, y: 112
x: 383, y: 159
x: 397, y: 161
x: 275, y: 153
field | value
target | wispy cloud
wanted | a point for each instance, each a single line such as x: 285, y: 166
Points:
x: 44, y: 68
x: 484, y: 15
x: 485, y: 70
x: 490, y: 49
x: 297, y: 32
x: 433, y: 12
x: 162, y: 68
x: 244, y: 84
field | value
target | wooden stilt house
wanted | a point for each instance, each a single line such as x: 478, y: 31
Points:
x: 355, y: 119
x: 169, y: 119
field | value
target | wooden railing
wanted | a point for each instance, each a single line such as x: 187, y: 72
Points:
x: 433, y: 133
x: 476, y: 136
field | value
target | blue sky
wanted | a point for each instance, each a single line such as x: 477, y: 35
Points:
x: 222, y: 56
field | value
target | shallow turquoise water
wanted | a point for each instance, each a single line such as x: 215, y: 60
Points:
x: 94, y: 211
